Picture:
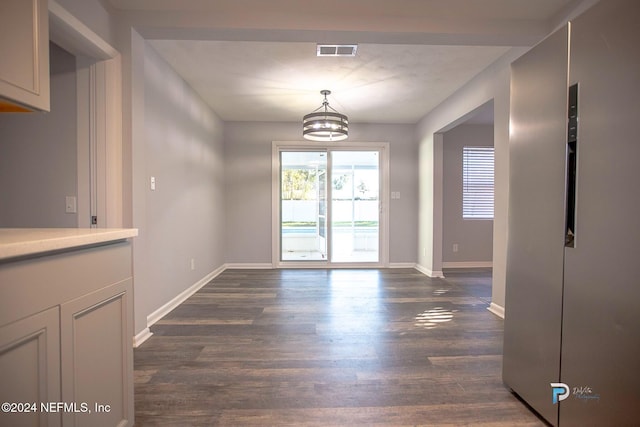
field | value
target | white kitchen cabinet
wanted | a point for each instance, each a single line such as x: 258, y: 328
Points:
x: 24, y: 55
x: 96, y: 351
x: 30, y: 369
x: 66, y: 328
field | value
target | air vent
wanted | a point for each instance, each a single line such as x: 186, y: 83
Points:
x: 337, y: 49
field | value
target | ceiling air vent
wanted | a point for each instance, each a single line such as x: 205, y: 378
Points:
x: 337, y: 49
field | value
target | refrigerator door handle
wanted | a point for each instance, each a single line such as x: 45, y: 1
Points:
x: 572, y: 166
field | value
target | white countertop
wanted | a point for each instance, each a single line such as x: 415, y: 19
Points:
x: 15, y: 242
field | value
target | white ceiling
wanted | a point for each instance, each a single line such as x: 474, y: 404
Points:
x: 272, y: 81
x: 253, y: 60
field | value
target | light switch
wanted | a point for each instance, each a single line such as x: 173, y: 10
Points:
x: 70, y: 204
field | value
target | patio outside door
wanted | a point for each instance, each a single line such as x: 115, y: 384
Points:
x: 330, y: 206
x: 355, y: 206
x: 303, y: 210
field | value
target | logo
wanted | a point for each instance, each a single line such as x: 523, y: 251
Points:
x: 560, y: 391
x: 585, y: 393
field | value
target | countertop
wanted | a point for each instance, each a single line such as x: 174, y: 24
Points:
x: 18, y: 242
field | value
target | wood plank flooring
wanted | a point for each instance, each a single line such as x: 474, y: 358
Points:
x: 328, y: 348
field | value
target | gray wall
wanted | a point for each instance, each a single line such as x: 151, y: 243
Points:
x: 474, y: 237
x: 38, y: 160
x: 184, y: 217
x: 491, y: 84
x: 248, y: 164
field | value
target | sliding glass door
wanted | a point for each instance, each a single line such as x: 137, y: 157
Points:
x: 330, y: 206
x: 355, y: 206
x: 303, y: 210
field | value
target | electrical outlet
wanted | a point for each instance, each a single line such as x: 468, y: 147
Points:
x: 70, y: 204
x: 455, y: 247
x: 193, y: 264
x: 152, y: 183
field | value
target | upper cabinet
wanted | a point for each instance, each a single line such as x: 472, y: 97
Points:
x: 24, y: 55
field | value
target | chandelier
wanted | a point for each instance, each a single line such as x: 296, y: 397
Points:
x: 325, y: 125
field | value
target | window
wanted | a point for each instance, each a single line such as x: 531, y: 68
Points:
x: 477, y: 182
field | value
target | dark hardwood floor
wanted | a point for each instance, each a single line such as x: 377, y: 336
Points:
x: 328, y: 348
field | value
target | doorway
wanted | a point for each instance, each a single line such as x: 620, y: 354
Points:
x: 329, y: 206
x: 99, y: 125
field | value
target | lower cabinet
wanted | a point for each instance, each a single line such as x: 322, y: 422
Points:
x: 70, y: 363
x: 30, y: 369
x: 96, y: 345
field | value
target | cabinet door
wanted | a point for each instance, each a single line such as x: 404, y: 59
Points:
x: 97, y: 356
x: 537, y: 151
x: 24, y: 55
x: 30, y: 368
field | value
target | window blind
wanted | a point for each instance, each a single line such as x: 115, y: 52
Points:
x: 477, y: 182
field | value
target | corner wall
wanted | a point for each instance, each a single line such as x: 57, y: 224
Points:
x: 492, y: 83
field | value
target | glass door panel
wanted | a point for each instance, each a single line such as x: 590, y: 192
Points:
x: 355, y: 206
x: 303, y: 206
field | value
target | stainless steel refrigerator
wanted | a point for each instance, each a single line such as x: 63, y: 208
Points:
x: 572, y: 309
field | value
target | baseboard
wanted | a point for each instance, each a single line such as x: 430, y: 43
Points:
x: 402, y: 265
x: 428, y: 272
x: 267, y: 266
x: 249, y: 266
x: 141, y: 337
x: 467, y: 264
x: 181, y: 297
x: 496, y: 309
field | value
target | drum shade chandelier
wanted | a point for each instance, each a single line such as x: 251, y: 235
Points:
x: 325, y: 125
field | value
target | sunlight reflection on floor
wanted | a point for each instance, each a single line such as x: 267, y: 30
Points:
x: 429, y: 319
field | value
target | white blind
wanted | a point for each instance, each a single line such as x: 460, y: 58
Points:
x: 477, y: 182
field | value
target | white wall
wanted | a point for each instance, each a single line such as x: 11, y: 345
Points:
x: 492, y: 84
x: 38, y: 160
x: 473, y: 237
x: 184, y: 217
x: 248, y: 186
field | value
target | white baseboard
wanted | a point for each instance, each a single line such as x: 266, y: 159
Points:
x: 249, y: 266
x: 496, y: 309
x: 141, y: 337
x: 402, y: 265
x: 467, y: 264
x: 181, y: 297
x: 428, y: 272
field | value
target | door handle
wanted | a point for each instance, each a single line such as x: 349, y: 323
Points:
x: 571, y: 167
